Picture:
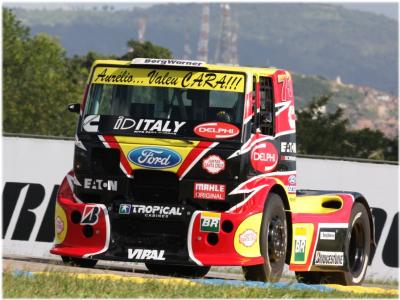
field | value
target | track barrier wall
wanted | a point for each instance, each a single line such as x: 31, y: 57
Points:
x: 34, y: 167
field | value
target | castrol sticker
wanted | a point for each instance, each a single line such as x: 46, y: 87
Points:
x: 213, y: 164
x: 264, y: 157
x: 216, y: 130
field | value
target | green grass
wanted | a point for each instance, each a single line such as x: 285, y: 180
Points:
x: 63, y: 285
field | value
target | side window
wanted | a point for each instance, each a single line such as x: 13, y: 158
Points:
x: 267, y: 106
x: 253, y: 101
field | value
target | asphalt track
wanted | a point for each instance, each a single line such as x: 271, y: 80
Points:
x: 138, y: 273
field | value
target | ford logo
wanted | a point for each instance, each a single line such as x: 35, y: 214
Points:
x: 154, y: 157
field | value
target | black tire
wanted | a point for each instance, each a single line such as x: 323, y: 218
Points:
x: 357, y: 251
x: 79, y: 262
x: 177, y: 270
x: 273, y: 243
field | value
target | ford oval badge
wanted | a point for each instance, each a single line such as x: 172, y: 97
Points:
x: 154, y: 157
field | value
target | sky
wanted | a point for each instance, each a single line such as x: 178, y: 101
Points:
x: 390, y: 10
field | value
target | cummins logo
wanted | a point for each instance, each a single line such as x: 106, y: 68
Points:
x: 146, y: 254
x: 155, y: 211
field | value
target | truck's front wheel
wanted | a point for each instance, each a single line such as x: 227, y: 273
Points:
x: 273, y: 242
x: 184, y: 271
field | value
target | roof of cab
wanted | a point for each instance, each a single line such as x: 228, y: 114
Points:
x: 209, y: 67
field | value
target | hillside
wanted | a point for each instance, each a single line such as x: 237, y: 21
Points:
x: 363, y: 106
x: 312, y: 39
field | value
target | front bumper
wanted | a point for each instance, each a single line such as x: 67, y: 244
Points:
x: 195, y: 238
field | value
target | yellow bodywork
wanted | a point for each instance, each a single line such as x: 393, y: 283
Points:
x: 313, y: 204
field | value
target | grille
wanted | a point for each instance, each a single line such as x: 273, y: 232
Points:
x: 170, y: 235
x: 155, y: 187
x: 105, y: 161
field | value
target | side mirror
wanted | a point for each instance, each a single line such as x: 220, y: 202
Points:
x: 74, y: 107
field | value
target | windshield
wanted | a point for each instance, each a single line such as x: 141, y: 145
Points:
x: 157, y: 107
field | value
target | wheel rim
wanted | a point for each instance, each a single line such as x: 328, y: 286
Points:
x: 276, y: 239
x: 357, y: 249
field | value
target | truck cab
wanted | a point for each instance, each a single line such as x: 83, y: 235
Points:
x: 185, y: 165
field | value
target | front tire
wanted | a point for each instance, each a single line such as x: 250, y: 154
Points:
x: 177, y: 270
x: 358, y: 248
x: 79, y: 262
x: 273, y: 242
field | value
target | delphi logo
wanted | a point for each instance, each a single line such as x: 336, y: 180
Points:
x: 216, y: 130
x: 154, y: 157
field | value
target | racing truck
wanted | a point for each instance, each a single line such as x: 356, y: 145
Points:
x: 183, y: 165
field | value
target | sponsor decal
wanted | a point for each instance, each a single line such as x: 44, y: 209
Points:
x: 91, y: 123
x: 299, y: 248
x: 328, y: 258
x: 100, y: 184
x: 264, y: 157
x: 300, y: 241
x: 327, y: 235
x: 209, y: 222
x: 292, y: 117
x: 90, y: 215
x: 213, y: 164
x: 288, y: 157
x: 154, y: 157
x: 148, y: 126
x: 228, y: 82
x: 156, y: 211
x: 59, y: 225
x: 292, y: 188
x: 292, y: 179
x: 288, y: 147
x: 168, y: 62
x: 125, y: 209
x: 146, y: 254
x: 209, y: 191
x: 216, y: 130
x: 248, y: 238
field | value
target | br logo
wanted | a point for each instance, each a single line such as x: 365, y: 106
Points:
x: 299, y: 249
x: 209, y: 222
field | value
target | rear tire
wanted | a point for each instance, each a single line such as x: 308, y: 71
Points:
x: 273, y: 242
x: 79, y: 262
x: 177, y: 270
x: 358, y: 247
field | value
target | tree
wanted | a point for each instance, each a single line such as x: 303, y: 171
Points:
x: 79, y: 66
x: 36, y: 86
x: 146, y: 50
x: 322, y: 133
x: 15, y: 37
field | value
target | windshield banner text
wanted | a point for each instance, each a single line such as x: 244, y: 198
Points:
x: 228, y: 82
